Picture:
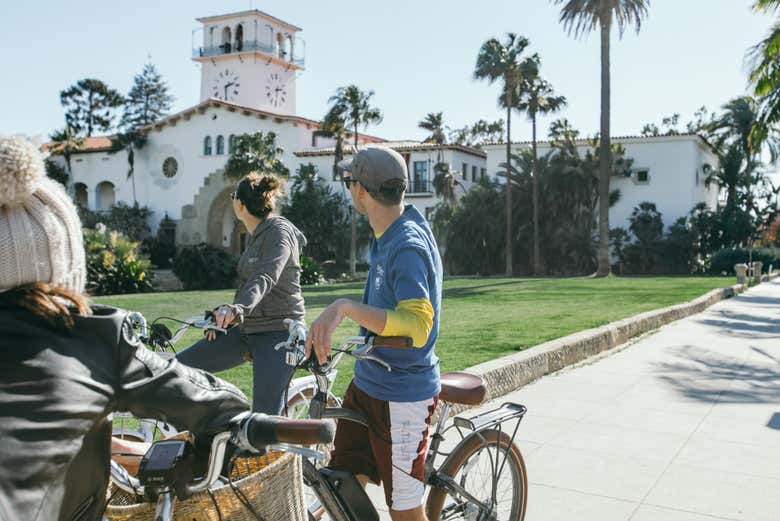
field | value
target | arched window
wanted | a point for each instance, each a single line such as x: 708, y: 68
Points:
x: 80, y: 194
x: 207, y: 146
x: 220, y: 145
x: 211, y: 36
x: 226, y: 39
x: 231, y: 143
x: 106, y: 197
x: 239, y: 37
x: 288, y: 48
x: 280, y: 44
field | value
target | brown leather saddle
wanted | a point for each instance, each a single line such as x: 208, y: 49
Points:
x: 464, y: 388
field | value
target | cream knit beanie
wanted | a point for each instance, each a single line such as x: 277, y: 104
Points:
x: 40, y: 231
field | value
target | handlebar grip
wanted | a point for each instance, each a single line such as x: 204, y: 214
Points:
x: 263, y: 430
x: 401, y: 342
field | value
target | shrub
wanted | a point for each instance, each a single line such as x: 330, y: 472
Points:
x: 131, y: 221
x: 205, y: 267
x: 723, y: 261
x: 161, y: 251
x: 311, y: 272
x: 114, y: 265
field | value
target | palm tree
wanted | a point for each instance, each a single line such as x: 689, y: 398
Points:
x: 580, y: 17
x: 497, y: 61
x: 444, y: 183
x: 129, y: 141
x: 66, y: 143
x: 536, y: 97
x: 334, y: 126
x: 434, y: 124
x: 357, y: 110
x: 765, y: 74
x: 740, y: 125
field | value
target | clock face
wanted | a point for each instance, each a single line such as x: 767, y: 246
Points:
x: 226, y: 85
x: 276, y: 90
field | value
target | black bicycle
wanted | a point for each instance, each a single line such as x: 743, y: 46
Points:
x: 483, y: 478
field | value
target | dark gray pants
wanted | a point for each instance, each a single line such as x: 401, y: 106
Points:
x: 270, y: 371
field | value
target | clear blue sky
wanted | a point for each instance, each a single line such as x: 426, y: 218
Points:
x: 417, y: 56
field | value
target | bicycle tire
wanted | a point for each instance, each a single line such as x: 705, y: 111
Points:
x: 462, y: 453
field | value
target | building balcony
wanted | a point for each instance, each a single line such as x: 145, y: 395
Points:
x: 247, y: 46
x: 420, y: 188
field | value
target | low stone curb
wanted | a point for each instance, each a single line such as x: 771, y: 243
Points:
x: 512, y: 372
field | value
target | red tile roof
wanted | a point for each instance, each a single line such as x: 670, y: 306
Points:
x: 91, y: 144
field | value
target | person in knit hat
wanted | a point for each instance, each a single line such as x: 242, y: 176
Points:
x: 65, y: 365
x: 40, y: 231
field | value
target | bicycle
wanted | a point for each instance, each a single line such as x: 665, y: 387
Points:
x: 159, y: 338
x: 166, y: 470
x: 482, y: 458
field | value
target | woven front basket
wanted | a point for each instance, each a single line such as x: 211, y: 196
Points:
x: 273, y: 485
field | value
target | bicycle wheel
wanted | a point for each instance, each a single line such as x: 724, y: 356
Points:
x: 298, y: 408
x: 473, y: 466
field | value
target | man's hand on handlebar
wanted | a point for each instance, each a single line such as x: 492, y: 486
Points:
x: 321, y: 330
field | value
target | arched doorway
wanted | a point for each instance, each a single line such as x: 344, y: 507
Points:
x: 80, y: 194
x: 106, y: 196
x: 224, y: 230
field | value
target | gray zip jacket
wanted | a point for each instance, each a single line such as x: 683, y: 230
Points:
x: 269, y: 277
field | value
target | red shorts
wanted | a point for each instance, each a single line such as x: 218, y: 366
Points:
x: 392, y: 451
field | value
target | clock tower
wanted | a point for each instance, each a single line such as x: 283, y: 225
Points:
x: 249, y: 58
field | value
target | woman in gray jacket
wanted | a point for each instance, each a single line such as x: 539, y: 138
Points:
x: 269, y: 291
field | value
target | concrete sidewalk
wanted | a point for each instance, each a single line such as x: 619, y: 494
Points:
x: 681, y: 425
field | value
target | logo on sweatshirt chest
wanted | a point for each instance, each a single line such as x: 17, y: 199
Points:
x: 379, y: 277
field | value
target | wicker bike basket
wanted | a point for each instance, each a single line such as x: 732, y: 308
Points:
x: 273, y: 485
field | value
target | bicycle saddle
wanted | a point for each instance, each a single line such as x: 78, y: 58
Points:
x: 465, y: 388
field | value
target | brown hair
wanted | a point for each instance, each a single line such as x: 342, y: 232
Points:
x: 390, y: 193
x: 258, y: 192
x: 50, y: 302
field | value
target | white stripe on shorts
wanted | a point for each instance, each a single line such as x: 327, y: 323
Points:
x: 407, y: 426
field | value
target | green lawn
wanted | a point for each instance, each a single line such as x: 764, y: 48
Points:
x: 482, y: 319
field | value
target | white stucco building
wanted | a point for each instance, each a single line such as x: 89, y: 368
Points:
x: 668, y: 171
x: 249, y: 64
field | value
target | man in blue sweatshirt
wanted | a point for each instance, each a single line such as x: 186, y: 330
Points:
x: 402, y: 297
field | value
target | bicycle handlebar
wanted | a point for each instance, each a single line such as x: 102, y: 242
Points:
x: 253, y: 432
x: 400, y: 342
x: 259, y: 431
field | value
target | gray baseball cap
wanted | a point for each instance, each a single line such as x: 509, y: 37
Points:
x: 375, y: 166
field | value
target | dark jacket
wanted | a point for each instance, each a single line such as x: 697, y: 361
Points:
x: 57, y: 391
x: 269, y: 277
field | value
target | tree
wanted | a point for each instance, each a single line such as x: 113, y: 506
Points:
x: 764, y: 60
x: 335, y: 126
x: 129, y: 141
x: 149, y: 99
x: 477, y: 134
x: 355, y: 104
x: 536, y: 97
x: 66, y: 143
x: 580, y: 17
x: 89, y: 106
x: 55, y: 171
x: 444, y: 183
x: 256, y: 152
x: 497, y: 61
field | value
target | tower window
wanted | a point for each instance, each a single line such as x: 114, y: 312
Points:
x: 220, y: 145
x: 207, y: 146
x: 226, y: 40
x: 239, y: 37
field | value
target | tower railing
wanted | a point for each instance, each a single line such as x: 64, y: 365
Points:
x: 246, y: 46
